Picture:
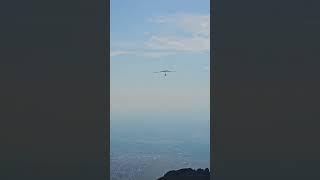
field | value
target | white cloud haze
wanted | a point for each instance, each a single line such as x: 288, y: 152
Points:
x: 119, y: 53
x: 158, y: 45
x: 196, y: 24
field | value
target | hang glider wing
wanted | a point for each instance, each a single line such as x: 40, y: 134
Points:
x: 164, y: 71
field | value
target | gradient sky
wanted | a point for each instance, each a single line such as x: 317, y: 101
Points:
x: 154, y: 35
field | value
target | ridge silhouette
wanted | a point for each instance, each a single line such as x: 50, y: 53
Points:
x: 187, y: 174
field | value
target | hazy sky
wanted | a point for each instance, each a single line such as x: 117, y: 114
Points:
x: 154, y: 35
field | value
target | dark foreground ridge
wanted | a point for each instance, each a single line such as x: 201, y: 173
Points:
x: 187, y: 174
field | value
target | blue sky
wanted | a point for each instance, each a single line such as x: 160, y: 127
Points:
x: 153, y: 35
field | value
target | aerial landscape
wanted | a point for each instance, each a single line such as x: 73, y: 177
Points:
x: 138, y: 157
x: 159, y: 89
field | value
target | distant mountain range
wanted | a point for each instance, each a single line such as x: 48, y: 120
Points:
x: 187, y: 174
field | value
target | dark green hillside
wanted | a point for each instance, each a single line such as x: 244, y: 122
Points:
x: 187, y: 174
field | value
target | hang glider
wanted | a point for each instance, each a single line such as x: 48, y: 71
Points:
x: 165, y: 72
